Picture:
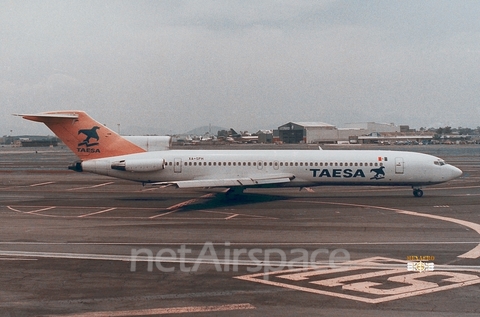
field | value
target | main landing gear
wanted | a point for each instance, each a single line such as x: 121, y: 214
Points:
x: 234, y: 192
x: 417, y: 192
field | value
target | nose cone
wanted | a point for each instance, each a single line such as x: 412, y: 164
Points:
x: 455, y: 172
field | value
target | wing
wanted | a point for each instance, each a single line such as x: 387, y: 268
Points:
x: 232, y: 182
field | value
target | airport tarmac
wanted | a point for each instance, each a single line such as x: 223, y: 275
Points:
x: 78, y: 244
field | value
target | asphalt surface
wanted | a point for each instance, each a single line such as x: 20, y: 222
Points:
x: 78, y: 244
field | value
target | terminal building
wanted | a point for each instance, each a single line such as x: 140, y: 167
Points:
x: 324, y: 133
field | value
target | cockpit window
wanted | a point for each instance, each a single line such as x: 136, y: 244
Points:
x: 439, y: 162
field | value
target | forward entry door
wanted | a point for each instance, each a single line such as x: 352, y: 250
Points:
x: 399, y: 165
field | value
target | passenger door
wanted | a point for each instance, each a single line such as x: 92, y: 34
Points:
x: 399, y: 165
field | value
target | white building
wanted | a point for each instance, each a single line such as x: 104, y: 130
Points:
x: 371, y: 127
x: 320, y: 132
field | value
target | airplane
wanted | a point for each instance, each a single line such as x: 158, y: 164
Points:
x: 103, y: 151
x: 242, y: 137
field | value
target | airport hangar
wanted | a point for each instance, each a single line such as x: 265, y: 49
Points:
x: 367, y: 132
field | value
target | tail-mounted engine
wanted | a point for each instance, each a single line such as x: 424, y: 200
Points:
x: 139, y: 165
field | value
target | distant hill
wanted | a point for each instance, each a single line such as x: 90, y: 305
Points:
x: 202, y: 130
x: 137, y: 130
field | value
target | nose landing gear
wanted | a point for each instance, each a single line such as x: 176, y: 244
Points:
x: 417, y: 192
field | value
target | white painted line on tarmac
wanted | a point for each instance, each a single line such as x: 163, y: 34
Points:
x: 87, y: 187
x: 154, y: 188
x: 39, y: 210
x: 147, y: 190
x: 162, y: 311
x: 278, y: 244
x: 175, y: 207
x: 41, y: 184
x: 161, y: 215
x: 230, y: 213
x: 472, y: 254
x: 183, y: 204
x: 98, y: 212
x: 17, y: 259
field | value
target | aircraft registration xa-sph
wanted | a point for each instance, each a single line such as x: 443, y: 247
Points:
x: 102, y: 151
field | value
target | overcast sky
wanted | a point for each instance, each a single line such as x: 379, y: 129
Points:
x: 170, y: 66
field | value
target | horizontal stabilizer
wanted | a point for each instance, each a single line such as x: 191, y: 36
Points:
x: 40, y: 117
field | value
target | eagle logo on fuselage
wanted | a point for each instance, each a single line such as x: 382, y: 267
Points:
x: 90, y: 134
x: 379, y: 172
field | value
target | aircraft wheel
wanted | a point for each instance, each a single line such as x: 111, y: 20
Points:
x: 417, y: 192
x: 234, y: 192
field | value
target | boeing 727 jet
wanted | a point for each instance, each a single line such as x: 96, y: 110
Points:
x: 102, y: 151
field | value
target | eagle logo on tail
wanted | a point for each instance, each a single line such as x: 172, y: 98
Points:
x: 89, y: 133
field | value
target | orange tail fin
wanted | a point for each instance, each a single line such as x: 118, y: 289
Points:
x: 87, y: 138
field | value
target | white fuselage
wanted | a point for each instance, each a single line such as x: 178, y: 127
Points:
x: 308, y: 167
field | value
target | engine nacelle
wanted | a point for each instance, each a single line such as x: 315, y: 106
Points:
x: 151, y: 142
x: 139, y: 165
